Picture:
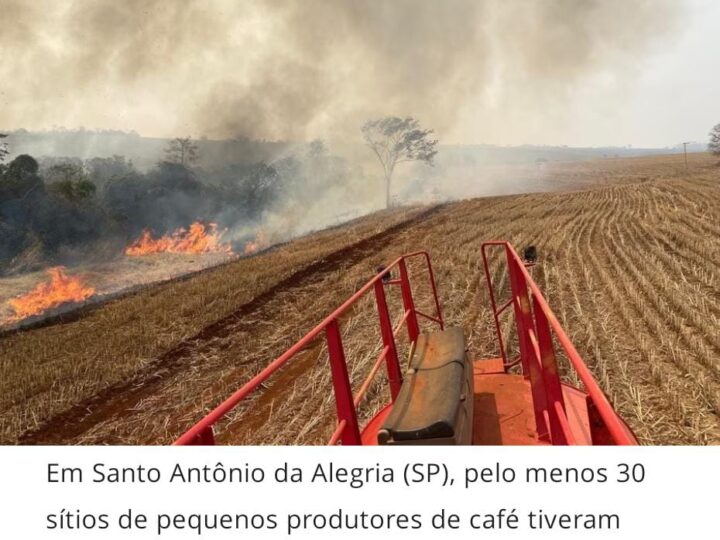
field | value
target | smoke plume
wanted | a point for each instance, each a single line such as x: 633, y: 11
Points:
x: 473, y: 70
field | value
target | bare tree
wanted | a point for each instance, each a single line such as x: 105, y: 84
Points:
x: 182, y: 151
x: 395, y: 140
x: 714, y: 144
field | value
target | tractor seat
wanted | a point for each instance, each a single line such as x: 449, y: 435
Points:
x: 434, y: 405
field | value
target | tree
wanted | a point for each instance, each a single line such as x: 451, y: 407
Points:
x: 714, y: 144
x: 182, y: 151
x: 64, y: 172
x: 70, y: 181
x: 103, y: 170
x: 74, y: 191
x: 21, y: 178
x: 4, y: 150
x: 396, y: 140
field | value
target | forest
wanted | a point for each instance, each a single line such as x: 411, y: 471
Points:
x: 61, y: 209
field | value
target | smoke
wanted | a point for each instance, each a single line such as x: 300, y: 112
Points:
x: 258, y: 71
x: 493, y: 70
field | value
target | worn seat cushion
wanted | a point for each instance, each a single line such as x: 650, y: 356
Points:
x: 433, y: 390
x: 427, y: 404
x: 438, y: 349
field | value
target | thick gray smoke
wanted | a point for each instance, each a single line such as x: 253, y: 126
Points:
x: 258, y: 71
x: 473, y: 70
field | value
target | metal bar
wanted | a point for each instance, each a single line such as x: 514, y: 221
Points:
x: 408, y: 303
x: 337, y: 433
x: 493, y: 304
x: 553, y: 422
x: 526, y: 336
x: 386, y: 330
x: 206, y: 437
x: 550, y: 373
x: 227, y: 405
x: 341, y: 384
x: 231, y: 402
x: 200, y: 429
x: 615, y: 426
x: 431, y: 277
x: 504, y: 307
x: 399, y: 325
x: 566, y: 435
x: 513, y: 363
x: 535, y: 348
x: 523, y: 317
x: 369, y: 379
x: 428, y: 317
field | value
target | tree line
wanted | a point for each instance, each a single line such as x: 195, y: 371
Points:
x: 54, y: 208
x: 60, y: 209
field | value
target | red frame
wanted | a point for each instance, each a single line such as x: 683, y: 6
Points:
x: 535, y: 324
x: 348, y: 430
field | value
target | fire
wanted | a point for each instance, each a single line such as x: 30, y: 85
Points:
x: 259, y: 243
x: 61, y: 289
x: 198, y: 239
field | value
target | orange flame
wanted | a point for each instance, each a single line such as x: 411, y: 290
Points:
x: 198, y: 239
x: 260, y: 242
x: 61, y: 289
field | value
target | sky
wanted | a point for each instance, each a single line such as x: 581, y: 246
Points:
x: 685, y: 82
x: 675, y: 96
x: 509, y: 72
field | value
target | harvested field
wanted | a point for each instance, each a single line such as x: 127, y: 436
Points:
x: 628, y: 263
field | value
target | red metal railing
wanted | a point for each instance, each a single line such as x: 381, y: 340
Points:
x: 536, y: 324
x: 348, y: 430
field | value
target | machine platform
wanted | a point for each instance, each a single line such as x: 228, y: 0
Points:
x: 504, y: 413
x: 503, y: 410
x: 443, y: 396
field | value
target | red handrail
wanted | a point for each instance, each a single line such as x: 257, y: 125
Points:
x: 536, y: 323
x: 347, y: 431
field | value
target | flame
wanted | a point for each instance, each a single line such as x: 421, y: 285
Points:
x: 259, y: 243
x: 198, y: 239
x: 61, y: 289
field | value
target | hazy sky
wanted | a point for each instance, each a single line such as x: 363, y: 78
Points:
x: 575, y: 72
x: 674, y: 97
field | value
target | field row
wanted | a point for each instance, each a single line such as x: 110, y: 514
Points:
x: 629, y: 266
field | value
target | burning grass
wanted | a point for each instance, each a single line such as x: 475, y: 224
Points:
x: 198, y: 238
x: 630, y: 269
x: 59, y: 290
x: 25, y: 300
x: 253, y: 246
x: 47, y: 370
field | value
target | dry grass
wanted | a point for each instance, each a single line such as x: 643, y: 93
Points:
x: 47, y: 370
x: 629, y: 266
